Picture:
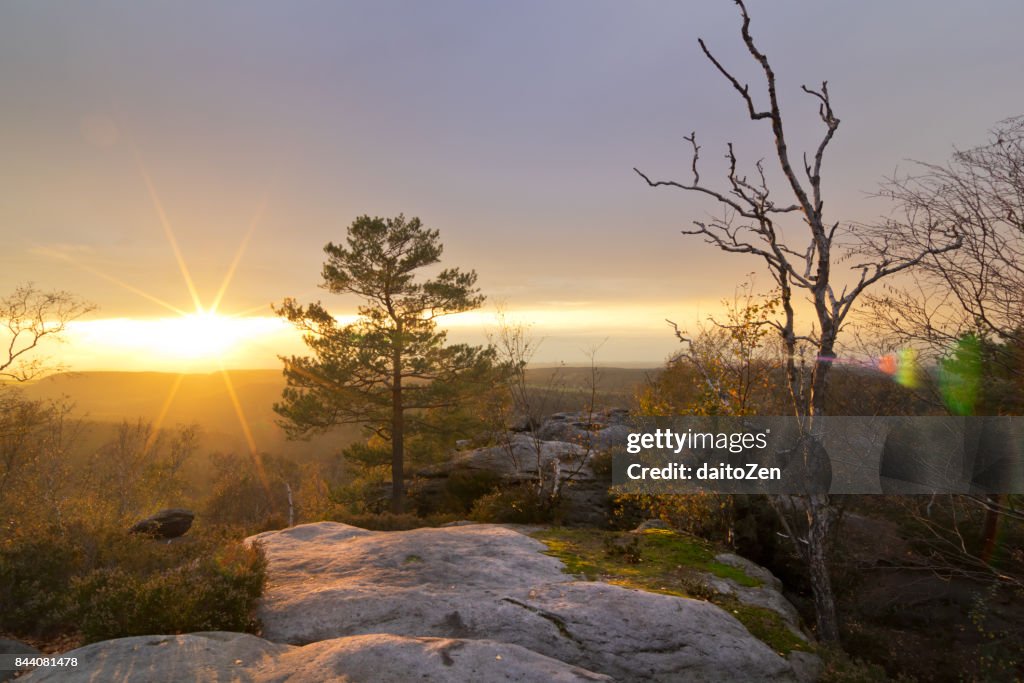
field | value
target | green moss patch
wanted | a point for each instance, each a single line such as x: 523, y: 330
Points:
x: 663, y: 561
x: 764, y: 624
x: 664, y: 554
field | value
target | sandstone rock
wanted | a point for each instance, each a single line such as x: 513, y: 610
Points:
x: 806, y: 665
x: 651, y: 524
x: 219, y: 656
x: 768, y: 594
x: 561, y: 449
x: 525, y: 458
x: 211, y: 656
x: 384, y: 657
x: 751, y: 569
x: 522, y: 423
x: 14, y: 647
x: 594, y: 431
x: 169, y: 523
x: 586, y: 503
x: 522, y: 456
x: 492, y: 583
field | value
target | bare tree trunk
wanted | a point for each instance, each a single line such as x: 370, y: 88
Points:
x: 819, y: 508
x: 991, y: 529
x: 819, y: 524
x: 291, y: 504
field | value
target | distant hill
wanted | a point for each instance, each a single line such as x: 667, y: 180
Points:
x: 610, y: 380
x: 199, y: 397
x: 205, y: 399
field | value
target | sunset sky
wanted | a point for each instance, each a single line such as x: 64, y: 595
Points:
x: 237, y: 138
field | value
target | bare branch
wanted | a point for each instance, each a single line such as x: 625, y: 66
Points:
x: 29, y: 316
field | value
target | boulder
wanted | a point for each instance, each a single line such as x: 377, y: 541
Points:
x: 520, y: 457
x: 488, y: 582
x: 595, y: 431
x: 220, y: 656
x: 170, y: 523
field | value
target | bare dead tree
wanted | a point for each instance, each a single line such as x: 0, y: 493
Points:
x: 751, y: 223
x: 978, y: 193
x: 977, y: 289
x: 28, y: 316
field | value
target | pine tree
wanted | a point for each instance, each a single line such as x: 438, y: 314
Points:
x: 393, y: 361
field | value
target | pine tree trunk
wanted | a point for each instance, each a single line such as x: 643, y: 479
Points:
x: 397, y: 436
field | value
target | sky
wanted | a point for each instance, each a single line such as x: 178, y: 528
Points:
x: 238, y: 138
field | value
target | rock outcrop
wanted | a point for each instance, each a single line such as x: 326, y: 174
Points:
x: 596, y: 431
x: 476, y: 602
x: 489, y: 582
x: 561, y: 449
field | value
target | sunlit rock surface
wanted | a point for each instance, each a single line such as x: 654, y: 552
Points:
x: 220, y: 656
x: 485, y: 581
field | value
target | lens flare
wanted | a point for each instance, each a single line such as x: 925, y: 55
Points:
x: 960, y: 376
x: 907, y: 374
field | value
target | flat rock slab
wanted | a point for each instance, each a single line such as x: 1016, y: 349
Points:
x: 219, y: 656
x: 14, y: 647
x: 488, y: 582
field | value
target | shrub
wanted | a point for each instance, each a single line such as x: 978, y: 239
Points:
x: 34, y: 572
x: 389, y: 521
x: 601, y: 463
x: 627, y: 549
x: 708, y: 515
x: 839, y: 667
x: 367, y: 490
x: 464, y: 487
x: 252, y: 493
x: 110, y: 584
x: 520, y: 504
x: 215, y: 591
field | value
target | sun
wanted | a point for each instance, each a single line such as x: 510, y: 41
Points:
x: 185, y: 339
x: 203, y: 335
x: 204, y: 341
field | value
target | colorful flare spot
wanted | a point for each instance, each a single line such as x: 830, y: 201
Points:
x: 960, y: 376
x: 887, y: 364
x: 906, y: 372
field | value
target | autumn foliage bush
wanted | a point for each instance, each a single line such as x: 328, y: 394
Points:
x: 105, y: 583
